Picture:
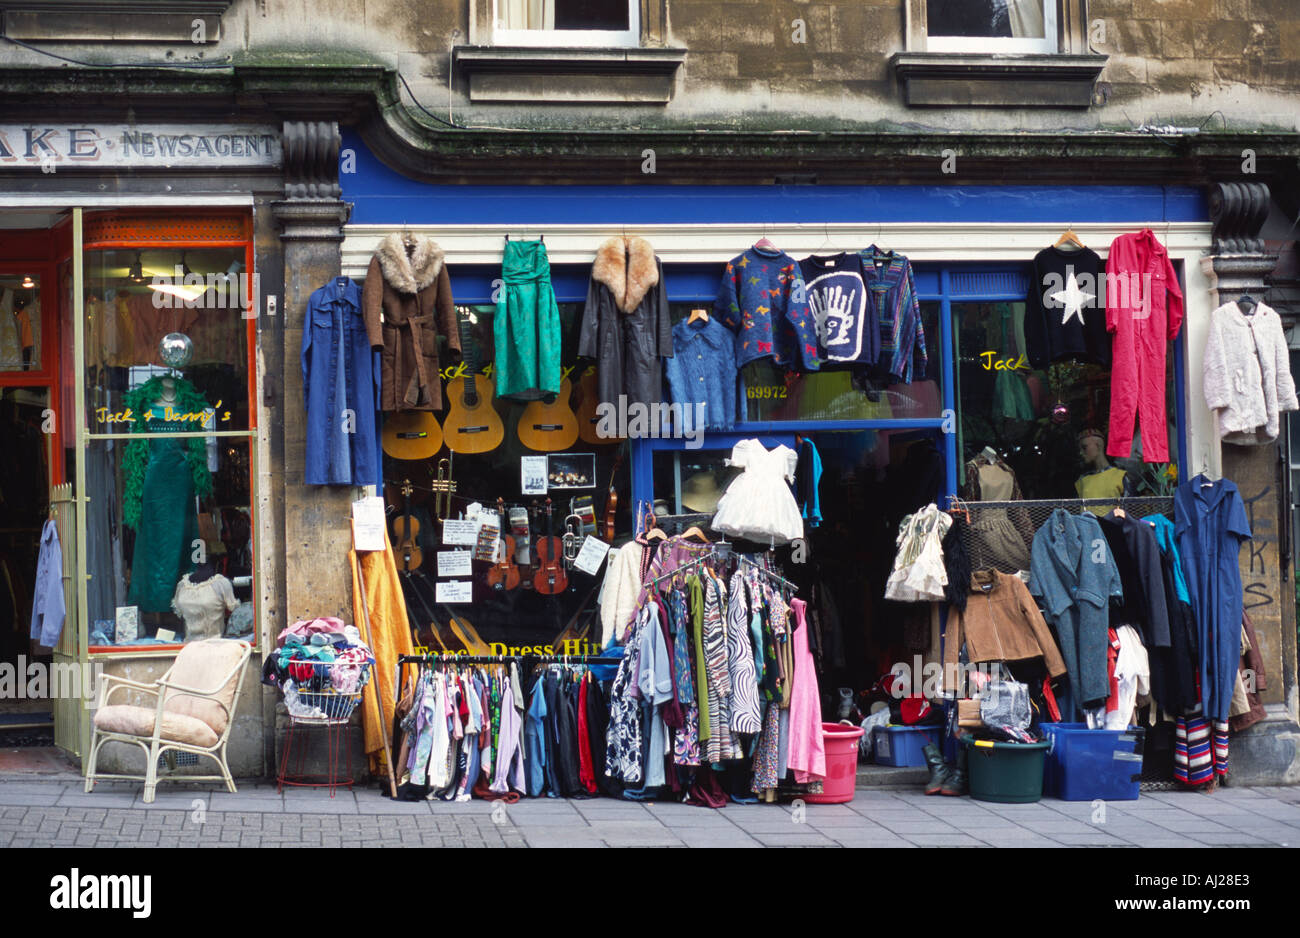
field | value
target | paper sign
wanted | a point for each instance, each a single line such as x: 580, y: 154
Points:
x: 455, y: 591
x: 455, y: 563
x: 591, y: 556
x: 532, y: 473
x: 460, y: 533
x: 368, y: 523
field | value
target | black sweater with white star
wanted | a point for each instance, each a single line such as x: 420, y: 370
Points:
x: 1062, y: 321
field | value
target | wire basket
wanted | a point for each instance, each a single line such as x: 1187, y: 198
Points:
x: 327, y: 705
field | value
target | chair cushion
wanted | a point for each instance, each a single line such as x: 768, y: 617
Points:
x: 201, y: 665
x: 138, y: 721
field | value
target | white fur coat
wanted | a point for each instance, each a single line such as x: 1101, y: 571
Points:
x: 1248, y: 379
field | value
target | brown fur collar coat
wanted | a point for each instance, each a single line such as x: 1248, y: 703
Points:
x: 409, y: 274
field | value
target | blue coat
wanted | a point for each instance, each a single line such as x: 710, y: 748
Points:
x: 1073, y: 575
x: 340, y: 387
x: 1211, y: 523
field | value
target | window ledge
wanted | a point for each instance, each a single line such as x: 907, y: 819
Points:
x: 170, y: 21
x: 616, y: 76
x: 962, y: 79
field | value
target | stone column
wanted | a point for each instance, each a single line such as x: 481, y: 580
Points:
x: 316, y: 518
x: 1269, y: 752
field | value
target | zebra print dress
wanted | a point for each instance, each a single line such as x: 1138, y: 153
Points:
x: 746, y: 711
x: 721, y: 746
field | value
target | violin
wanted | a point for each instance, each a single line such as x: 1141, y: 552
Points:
x: 611, y: 502
x: 406, y: 533
x: 550, y: 577
x: 504, y: 575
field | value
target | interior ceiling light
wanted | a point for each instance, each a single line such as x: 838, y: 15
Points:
x: 28, y: 282
x: 136, y: 273
x: 181, y: 290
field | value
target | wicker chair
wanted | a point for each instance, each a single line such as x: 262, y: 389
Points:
x: 193, y: 710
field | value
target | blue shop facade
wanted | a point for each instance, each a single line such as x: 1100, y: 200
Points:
x: 884, y: 453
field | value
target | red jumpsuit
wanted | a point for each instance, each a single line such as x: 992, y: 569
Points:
x: 1140, y: 283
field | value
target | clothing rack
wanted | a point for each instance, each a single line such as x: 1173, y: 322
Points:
x: 715, y: 552
x: 504, y: 659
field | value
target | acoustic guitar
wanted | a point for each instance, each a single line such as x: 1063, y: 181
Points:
x: 550, y: 577
x: 549, y: 427
x: 406, y: 535
x: 472, y: 424
x: 411, y: 434
x: 588, y: 401
x: 504, y: 576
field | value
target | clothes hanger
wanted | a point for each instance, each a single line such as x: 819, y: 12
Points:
x: 1069, y: 237
x: 693, y: 531
x: 1246, y: 304
x: 698, y: 314
x: 764, y: 242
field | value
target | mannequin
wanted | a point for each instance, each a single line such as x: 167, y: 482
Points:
x: 163, y: 475
x: 202, y: 599
x: 1100, y: 479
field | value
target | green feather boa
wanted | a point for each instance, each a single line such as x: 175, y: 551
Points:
x: 135, y: 462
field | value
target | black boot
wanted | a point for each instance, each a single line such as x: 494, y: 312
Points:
x: 956, y: 781
x: 938, y: 770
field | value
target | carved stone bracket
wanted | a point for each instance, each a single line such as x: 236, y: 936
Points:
x: 311, y: 160
x: 1238, y: 211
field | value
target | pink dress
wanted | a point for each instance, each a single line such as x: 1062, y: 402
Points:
x: 807, y: 755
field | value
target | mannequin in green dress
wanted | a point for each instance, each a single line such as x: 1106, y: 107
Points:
x: 163, y: 476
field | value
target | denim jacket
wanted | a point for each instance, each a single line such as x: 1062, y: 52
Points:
x: 703, y: 370
x: 340, y: 387
x: 1073, y: 575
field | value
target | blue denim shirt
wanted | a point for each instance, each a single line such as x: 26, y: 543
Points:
x: 1073, y: 575
x: 703, y: 370
x: 340, y: 387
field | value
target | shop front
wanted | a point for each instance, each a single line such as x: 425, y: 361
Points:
x: 132, y: 292
x: 986, y: 401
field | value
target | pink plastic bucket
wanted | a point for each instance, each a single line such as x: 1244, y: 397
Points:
x: 841, y: 743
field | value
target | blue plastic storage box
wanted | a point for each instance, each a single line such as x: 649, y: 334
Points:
x: 1090, y: 765
x: 903, y: 745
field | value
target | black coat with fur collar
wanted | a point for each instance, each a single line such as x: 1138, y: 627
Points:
x: 626, y: 326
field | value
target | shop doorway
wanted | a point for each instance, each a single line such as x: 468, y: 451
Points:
x: 29, y: 470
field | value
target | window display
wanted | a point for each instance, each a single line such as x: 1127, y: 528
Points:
x: 169, y: 529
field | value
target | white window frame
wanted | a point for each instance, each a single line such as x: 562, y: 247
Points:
x: 569, y: 38
x: 1049, y: 44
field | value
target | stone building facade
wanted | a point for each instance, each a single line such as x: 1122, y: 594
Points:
x: 782, y: 95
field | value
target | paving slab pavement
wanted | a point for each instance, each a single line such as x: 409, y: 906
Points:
x: 44, y: 811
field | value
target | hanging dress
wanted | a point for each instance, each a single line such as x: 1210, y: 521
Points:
x: 746, y: 712
x: 686, y: 739
x: 623, y: 736
x: 527, y: 325
x: 807, y: 747
x: 758, y: 504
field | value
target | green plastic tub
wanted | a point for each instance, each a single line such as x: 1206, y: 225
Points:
x: 1006, y: 773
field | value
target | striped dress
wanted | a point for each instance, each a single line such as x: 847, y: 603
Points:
x: 720, y: 746
x: 746, y: 711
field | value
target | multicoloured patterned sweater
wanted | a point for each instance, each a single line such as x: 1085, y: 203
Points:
x: 763, y: 301
x: 892, y: 294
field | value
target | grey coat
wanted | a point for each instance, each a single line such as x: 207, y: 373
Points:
x: 626, y: 326
x: 1073, y: 575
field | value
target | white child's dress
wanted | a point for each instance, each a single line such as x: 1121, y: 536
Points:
x: 758, y: 504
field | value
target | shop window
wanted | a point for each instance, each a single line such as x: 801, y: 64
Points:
x: 578, y: 468
x: 170, y: 499
x: 1049, y: 424
x: 770, y: 393
x: 20, y: 323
